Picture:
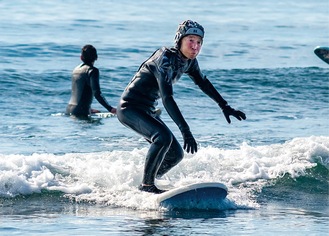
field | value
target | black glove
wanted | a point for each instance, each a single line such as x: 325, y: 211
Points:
x: 190, y: 144
x: 229, y: 111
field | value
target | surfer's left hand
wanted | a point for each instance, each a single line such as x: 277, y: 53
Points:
x: 229, y: 111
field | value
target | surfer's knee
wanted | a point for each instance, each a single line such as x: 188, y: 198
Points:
x: 163, y: 138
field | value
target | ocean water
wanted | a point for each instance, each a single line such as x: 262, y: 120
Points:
x: 61, y: 176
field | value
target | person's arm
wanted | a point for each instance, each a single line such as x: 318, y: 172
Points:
x: 207, y: 87
x: 94, y: 83
x: 164, y: 77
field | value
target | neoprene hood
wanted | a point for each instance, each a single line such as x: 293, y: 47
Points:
x: 188, y: 27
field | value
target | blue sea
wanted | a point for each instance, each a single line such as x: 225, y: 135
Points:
x: 62, y: 176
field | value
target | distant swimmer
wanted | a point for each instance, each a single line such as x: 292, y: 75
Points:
x: 153, y: 81
x: 85, y: 86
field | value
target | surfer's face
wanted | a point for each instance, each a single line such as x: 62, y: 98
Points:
x: 191, y: 46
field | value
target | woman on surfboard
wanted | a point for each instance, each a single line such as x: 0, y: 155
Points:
x: 85, y: 86
x: 154, y: 80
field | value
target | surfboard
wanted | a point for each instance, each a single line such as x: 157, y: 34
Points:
x: 322, y: 53
x: 102, y: 115
x: 202, y: 196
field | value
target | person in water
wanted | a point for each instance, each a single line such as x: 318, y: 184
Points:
x: 85, y: 86
x: 154, y: 80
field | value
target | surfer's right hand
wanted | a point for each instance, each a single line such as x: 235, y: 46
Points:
x: 190, y: 144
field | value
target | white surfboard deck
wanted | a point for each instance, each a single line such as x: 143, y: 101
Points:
x: 203, y: 196
x: 102, y: 115
x: 322, y: 53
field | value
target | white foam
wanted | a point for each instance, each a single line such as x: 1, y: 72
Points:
x: 112, y: 178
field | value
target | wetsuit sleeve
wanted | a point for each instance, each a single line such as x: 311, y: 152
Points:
x: 164, y: 74
x: 205, y: 85
x: 94, y: 84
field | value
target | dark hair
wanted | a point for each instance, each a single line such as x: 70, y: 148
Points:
x: 88, y: 54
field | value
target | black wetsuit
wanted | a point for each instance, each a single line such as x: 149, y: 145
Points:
x: 85, y: 86
x: 153, y: 81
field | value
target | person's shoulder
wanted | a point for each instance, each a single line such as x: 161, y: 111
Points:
x: 94, y: 68
x: 81, y: 66
x: 93, y: 71
x: 169, y: 50
x: 168, y: 53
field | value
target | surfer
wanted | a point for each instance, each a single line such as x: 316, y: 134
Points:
x: 154, y: 80
x: 85, y: 86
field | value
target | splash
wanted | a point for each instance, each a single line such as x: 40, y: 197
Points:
x: 111, y: 178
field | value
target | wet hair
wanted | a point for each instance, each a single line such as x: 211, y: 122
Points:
x: 88, y: 54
